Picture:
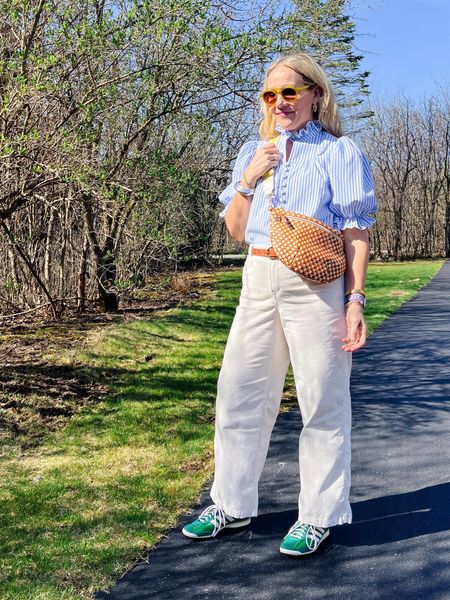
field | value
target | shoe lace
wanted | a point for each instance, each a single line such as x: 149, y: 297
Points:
x: 215, y: 515
x: 310, y: 533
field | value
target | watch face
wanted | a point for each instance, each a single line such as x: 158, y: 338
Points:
x: 359, y: 298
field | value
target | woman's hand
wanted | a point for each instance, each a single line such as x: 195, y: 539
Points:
x: 265, y: 158
x: 236, y: 217
x: 356, y: 328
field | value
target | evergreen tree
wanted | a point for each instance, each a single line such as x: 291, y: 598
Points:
x: 325, y: 29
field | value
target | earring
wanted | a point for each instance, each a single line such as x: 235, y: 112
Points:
x: 314, y: 107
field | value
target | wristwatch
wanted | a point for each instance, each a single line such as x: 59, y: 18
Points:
x: 356, y: 297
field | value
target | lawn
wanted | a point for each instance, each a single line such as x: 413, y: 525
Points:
x: 79, y: 507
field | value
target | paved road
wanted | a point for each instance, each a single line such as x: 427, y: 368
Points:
x: 398, y: 546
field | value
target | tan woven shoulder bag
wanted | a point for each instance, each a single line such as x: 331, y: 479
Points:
x: 305, y: 245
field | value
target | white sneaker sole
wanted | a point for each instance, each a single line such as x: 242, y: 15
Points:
x: 295, y: 553
x: 233, y: 525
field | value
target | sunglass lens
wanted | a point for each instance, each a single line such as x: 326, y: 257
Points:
x: 289, y: 93
x: 269, y: 97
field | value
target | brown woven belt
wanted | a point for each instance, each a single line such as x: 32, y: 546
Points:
x: 267, y: 252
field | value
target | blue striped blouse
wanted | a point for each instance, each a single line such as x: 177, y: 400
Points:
x: 326, y: 177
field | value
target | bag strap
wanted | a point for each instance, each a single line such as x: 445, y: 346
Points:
x: 268, y: 178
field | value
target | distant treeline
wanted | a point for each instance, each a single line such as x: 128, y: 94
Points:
x: 409, y: 149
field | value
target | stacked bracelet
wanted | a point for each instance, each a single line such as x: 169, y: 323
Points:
x: 357, y: 297
x: 354, y: 291
x: 243, y: 190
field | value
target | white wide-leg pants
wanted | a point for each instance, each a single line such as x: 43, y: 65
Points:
x: 281, y: 318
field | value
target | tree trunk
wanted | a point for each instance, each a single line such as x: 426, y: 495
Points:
x: 447, y: 229
x: 104, y: 260
x: 81, y: 301
x: 106, y: 277
x: 65, y: 215
x: 48, y: 244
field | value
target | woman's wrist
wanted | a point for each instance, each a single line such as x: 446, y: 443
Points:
x: 355, y: 297
x: 248, y: 180
x: 246, y: 191
x: 355, y: 291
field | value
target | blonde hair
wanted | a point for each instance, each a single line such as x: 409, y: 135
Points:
x: 327, y: 111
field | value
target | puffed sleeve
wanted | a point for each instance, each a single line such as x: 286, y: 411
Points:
x: 353, y: 198
x: 243, y: 158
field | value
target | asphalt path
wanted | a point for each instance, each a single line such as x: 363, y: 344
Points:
x: 398, y: 546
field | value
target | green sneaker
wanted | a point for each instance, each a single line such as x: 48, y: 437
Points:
x: 210, y: 522
x: 303, y: 539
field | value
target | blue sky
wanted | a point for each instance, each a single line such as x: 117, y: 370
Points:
x: 408, y: 51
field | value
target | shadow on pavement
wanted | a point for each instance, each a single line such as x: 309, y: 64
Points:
x: 398, y: 517
x: 378, y: 520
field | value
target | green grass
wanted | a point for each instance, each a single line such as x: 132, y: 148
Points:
x: 388, y: 285
x: 78, y: 510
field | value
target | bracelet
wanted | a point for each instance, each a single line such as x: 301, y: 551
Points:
x: 362, y: 292
x: 243, y: 190
x: 355, y: 297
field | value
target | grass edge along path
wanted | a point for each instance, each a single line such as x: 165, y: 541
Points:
x: 79, y: 510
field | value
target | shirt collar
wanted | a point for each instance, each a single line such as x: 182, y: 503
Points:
x: 306, y: 133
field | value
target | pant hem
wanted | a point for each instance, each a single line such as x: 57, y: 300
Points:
x: 232, y: 511
x: 320, y: 521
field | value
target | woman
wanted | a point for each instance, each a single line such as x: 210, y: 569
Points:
x: 282, y: 318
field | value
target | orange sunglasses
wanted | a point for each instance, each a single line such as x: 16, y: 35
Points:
x: 289, y: 93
